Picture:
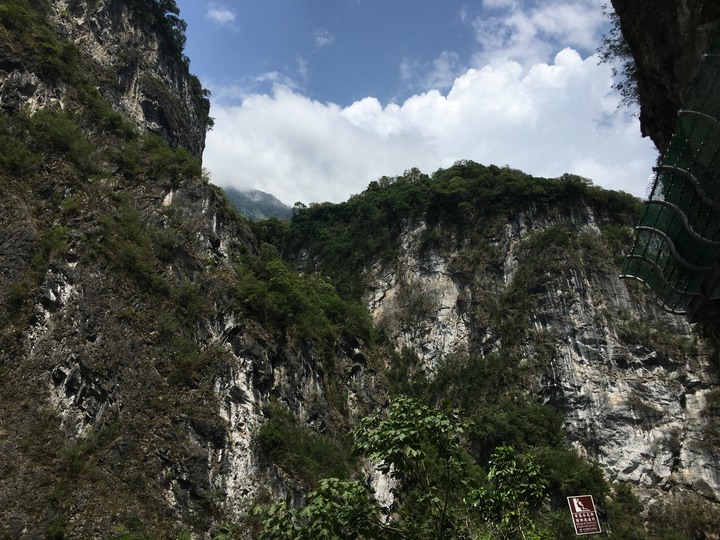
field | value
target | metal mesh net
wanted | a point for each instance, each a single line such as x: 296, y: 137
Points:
x: 677, y: 247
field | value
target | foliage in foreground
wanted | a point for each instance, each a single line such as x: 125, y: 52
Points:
x: 439, y: 493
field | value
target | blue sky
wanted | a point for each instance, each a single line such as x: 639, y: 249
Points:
x: 314, y: 99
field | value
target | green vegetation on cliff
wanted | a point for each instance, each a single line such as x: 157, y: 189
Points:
x: 140, y: 316
x: 464, y: 203
x: 121, y: 267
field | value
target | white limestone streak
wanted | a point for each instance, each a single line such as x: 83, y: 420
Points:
x: 636, y: 411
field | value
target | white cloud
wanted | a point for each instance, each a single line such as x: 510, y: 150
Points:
x: 499, y: 3
x: 323, y: 38
x: 220, y: 15
x: 531, y: 33
x: 546, y: 119
x: 259, y: 84
x: 302, y: 66
x: 438, y: 74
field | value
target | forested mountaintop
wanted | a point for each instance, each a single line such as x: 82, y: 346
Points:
x: 169, y: 370
x: 257, y: 205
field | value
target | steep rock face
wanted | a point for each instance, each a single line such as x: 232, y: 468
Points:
x: 141, y: 340
x: 420, y: 301
x: 632, y: 401
x: 152, y: 380
x: 138, y: 69
x: 667, y: 39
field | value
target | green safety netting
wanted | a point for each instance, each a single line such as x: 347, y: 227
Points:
x: 677, y: 247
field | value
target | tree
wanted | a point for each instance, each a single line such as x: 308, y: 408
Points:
x: 440, y: 492
x: 515, y: 486
x: 336, y: 509
x: 615, y: 50
x: 420, y: 448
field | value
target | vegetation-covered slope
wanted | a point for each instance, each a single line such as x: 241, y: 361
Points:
x: 464, y: 203
x: 131, y: 294
x: 257, y: 205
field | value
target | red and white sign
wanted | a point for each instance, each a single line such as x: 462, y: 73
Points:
x: 584, y: 516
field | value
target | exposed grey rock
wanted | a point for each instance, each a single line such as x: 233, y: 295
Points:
x: 20, y: 89
x: 143, y: 78
x: 636, y: 410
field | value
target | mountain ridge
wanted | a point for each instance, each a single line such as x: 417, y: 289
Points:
x: 257, y: 205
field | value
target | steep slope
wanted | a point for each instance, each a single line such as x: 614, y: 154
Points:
x: 144, y: 335
x: 487, y: 266
x: 134, y: 50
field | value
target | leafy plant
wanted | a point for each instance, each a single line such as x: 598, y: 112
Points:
x: 516, y: 487
x: 420, y: 447
x: 439, y: 494
x: 337, y: 509
x: 299, y: 451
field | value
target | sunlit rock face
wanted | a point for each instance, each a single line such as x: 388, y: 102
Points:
x: 138, y: 69
x: 634, y: 407
x: 419, y: 300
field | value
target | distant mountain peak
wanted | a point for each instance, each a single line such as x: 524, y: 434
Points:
x: 257, y: 205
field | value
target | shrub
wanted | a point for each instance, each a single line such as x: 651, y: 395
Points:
x: 36, y: 41
x: 299, y: 451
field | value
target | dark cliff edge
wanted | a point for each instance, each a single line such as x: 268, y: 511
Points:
x: 667, y: 39
x: 133, y: 50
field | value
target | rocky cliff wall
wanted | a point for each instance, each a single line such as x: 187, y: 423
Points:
x: 138, y: 68
x: 134, y: 387
x: 144, y: 338
x: 667, y: 39
x: 630, y: 380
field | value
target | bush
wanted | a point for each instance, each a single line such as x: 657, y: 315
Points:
x: 16, y: 158
x: 655, y: 335
x: 687, y: 516
x: 36, y: 41
x: 152, y: 156
x: 299, y: 451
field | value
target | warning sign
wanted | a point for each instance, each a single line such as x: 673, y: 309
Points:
x: 584, y: 516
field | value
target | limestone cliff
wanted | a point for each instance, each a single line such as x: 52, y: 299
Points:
x: 144, y: 335
x: 135, y: 55
x: 635, y: 403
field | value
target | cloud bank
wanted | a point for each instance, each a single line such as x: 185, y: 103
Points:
x: 529, y: 31
x: 546, y: 119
